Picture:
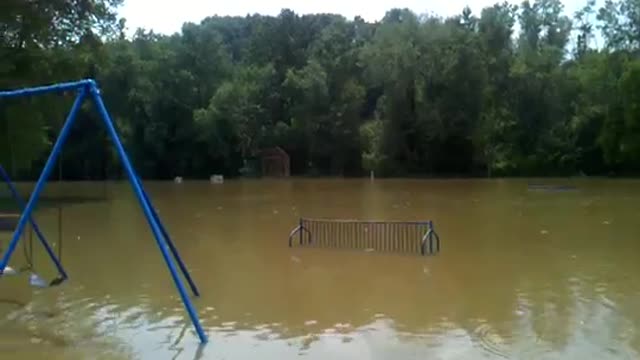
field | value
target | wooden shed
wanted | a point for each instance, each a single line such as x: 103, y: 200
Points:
x: 275, y: 162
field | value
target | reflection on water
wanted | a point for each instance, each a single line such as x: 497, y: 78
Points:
x: 522, y: 274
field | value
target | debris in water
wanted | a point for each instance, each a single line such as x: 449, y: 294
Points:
x: 306, y: 343
x: 295, y: 259
x: 544, y: 232
x: 275, y: 212
x: 310, y: 322
x: 219, y: 207
x: 369, y: 249
x: 426, y: 271
x: 347, y: 339
x: 606, y: 222
x: 608, y: 303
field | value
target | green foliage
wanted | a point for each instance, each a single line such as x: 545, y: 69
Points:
x: 236, y: 120
x: 408, y: 95
x: 45, y: 41
x: 372, y: 157
x: 628, y: 127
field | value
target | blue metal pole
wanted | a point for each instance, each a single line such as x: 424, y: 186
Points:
x: 16, y: 196
x: 33, y: 200
x: 167, y: 238
x: 61, y: 87
x: 95, y: 93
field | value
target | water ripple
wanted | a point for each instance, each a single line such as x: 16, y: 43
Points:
x: 490, y: 341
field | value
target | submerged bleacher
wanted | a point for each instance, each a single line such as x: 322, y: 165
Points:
x: 417, y: 237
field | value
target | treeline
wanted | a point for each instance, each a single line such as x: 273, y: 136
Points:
x: 410, y: 95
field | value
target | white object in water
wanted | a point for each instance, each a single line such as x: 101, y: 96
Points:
x: 216, y: 179
x: 178, y: 180
x: 372, y: 176
x: 8, y: 270
x: 37, y: 281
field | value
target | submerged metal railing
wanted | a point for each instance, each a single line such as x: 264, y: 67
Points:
x: 392, y: 236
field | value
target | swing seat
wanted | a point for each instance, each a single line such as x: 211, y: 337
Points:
x: 35, y: 280
x: 8, y: 270
x: 9, y: 222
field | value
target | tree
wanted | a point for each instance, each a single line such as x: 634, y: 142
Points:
x: 410, y: 95
x: 40, y: 42
x: 235, y: 123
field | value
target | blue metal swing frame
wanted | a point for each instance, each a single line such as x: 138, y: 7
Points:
x: 88, y: 89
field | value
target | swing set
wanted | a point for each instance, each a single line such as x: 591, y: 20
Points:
x: 88, y: 89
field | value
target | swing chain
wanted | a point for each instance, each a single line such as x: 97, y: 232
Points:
x: 27, y: 248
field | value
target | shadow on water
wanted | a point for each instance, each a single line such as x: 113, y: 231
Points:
x: 7, y: 204
x: 551, y: 187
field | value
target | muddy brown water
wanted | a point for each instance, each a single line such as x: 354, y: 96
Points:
x: 522, y: 274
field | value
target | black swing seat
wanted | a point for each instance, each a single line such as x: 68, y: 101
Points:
x: 8, y: 222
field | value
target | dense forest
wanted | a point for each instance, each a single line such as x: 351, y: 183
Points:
x: 511, y: 91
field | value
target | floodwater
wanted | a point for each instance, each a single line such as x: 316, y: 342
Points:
x: 522, y: 274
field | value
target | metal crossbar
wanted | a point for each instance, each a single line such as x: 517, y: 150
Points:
x: 388, y: 236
